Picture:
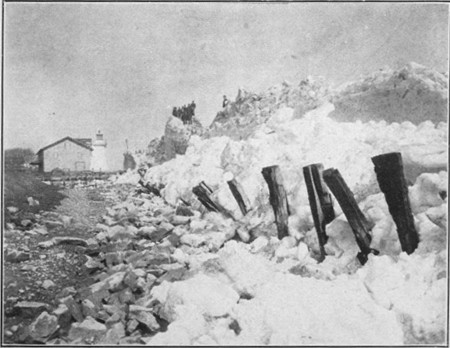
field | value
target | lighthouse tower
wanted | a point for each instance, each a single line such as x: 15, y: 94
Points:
x: 98, y: 160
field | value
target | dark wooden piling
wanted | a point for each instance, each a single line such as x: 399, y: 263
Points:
x: 203, y: 192
x: 278, y: 199
x: 320, y: 202
x: 238, y: 193
x: 358, y: 222
x: 392, y: 182
x: 150, y: 188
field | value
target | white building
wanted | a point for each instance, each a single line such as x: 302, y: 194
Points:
x: 98, y: 161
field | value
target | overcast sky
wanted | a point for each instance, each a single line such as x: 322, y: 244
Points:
x: 73, y: 68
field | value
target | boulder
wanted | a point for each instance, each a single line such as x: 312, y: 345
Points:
x: 183, y: 211
x: 144, y: 316
x: 114, y: 334
x: 89, y: 330
x: 63, y: 315
x: 16, y: 256
x: 88, y: 308
x: 74, y: 308
x: 46, y: 244
x: 31, y: 309
x: 48, y: 284
x: 43, y: 327
x: 12, y: 210
x: 119, y: 232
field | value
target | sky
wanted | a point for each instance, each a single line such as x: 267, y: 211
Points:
x: 71, y: 69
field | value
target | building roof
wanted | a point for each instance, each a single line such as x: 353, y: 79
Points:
x: 85, y: 141
x: 75, y: 141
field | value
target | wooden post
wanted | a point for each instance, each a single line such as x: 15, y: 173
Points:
x: 150, y: 188
x: 355, y: 217
x: 320, y: 202
x: 392, y: 182
x: 278, y: 199
x: 239, y: 195
x: 203, y: 192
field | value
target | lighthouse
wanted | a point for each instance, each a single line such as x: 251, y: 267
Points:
x: 98, y: 160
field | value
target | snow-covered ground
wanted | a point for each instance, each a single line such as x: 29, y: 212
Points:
x: 275, y: 292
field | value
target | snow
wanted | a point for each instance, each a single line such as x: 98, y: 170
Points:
x: 276, y: 291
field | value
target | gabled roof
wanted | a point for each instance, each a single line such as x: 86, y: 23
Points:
x: 64, y: 139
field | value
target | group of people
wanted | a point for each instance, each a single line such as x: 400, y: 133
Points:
x: 185, y: 113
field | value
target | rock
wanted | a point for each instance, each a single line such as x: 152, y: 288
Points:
x: 180, y: 220
x: 70, y: 241
x: 89, y: 330
x: 146, y: 231
x: 26, y: 222
x: 31, y: 309
x: 12, y: 210
x: 144, y: 316
x: 63, y: 315
x: 174, y: 275
x: 101, y: 236
x: 183, y: 211
x: 114, y: 334
x: 119, y: 232
x: 41, y: 230
x: 88, y: 308
x: 115, y: 318
x: 16, y: 256
x: 101, y: 227
x: 56, y: 342
x: 74, y: 308
x: 93, y: 265
x: 10, y: 226
x: 126, y: 296
x: 95, y: 297
x: 27, y: 268
x: 47, y: 244
x: 47, y: 284
x: 53, y: 224
x: 44, y: 326
x: 132, y: 325
x: 162, y: 231
x: 92, y: 243
x: 68, y: 291
x: 131, y: 340
x: 32, y: 202
x: 131, y: 279
x: 66, y: 220
x: 113, y: 283
x: 167, y: 226
x: 113, y: 258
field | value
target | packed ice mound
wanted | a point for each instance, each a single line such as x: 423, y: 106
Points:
x: 293, y: 143
x: 174, y: 141
x: 239, y: 118
x: 413, y: 93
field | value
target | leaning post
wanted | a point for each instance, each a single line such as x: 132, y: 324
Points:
x: 278, y: 199
x: 358, y: 222
x: 320, y: 203
x: 392, y: 182
x: 238, y: 193
x: 203, y: 192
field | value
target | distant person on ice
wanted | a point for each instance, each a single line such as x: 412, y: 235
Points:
x: 225, y: 101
